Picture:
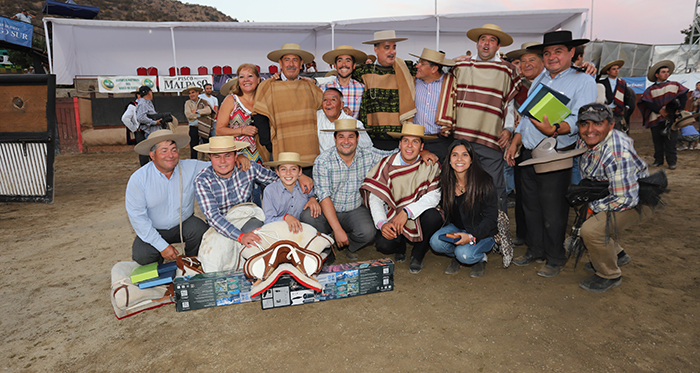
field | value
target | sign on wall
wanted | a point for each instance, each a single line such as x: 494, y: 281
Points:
x: 180, y: 82
x: 124, y: 84
x: 16, y: 32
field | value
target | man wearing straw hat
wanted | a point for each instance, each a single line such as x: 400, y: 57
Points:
x: 224, y: 185
x: 196, y: 110
x: 544, y: 205
x: 388, y: 99
x: 616, y: 96
x: 160, y: 200
x: 429, y: 84
x: 659, y: 106
x: 402, y: 193
x: 477, y: 102
x: 338, y: 174
x: 292, y: 121
x: 345, y: 59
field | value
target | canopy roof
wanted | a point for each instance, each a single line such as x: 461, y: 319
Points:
x: 70, y: 9
x: 97, y: 47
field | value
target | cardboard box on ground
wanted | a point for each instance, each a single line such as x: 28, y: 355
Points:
x: 233, y: 287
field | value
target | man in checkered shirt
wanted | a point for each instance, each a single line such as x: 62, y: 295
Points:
x: 345, y: 59
x: 610, y: 157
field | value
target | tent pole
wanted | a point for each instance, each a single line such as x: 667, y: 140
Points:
x: 172, y: 37
x: 332, y: 35
x: 437, y: 28
x: 48, y: 47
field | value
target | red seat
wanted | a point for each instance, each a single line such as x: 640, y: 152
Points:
x: 141, y: 71
x: 184, y: 70
x: 258, y: 66
x: 172, y: 71
x: 216, y: 70
x: 228, y: 69
x: 272, y: 69
x: 152, y: 71
x: 202, y: 70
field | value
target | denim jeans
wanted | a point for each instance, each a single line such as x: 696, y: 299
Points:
x: 466, y: 254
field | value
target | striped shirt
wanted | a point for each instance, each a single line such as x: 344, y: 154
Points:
x: 352, y: 94
x: 427, y: 100
x: 217, y: 195
x: 335, y: 179
x: 614, y: 160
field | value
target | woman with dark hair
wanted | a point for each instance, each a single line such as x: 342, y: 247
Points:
x: 471, y: 210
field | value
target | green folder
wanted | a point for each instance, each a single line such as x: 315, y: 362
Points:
x: 144, y: 273
x: 550, y: 106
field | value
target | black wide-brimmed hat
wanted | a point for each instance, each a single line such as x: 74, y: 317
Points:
x: 562, y: 37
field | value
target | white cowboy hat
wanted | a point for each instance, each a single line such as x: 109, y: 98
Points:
x: 435, y: 57
x: 651, y: 75
x: 221, y: 144
x: 516, y: 54
x: 410, y: 129
x: 360, y: 56
x: 618, y: 63
x: 186, y: 91
x: 145, y: 146
x: 490, y: 29
x: 382, y: 36
x: 345, y: 125
x: 546, y: 158
x: 289, y: 158
x: 687, y: 118
x: 290, y: 48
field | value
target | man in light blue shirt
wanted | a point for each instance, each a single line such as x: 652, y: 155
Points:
x: 544, y: 205
x: 159, y: 196
x: 429, y: 84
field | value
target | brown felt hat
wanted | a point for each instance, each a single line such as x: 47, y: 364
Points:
x: 618, y: 63
x: 651, y: 75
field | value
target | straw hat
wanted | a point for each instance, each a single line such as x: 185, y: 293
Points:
x: 360, y: 56
x: 516, y: 54
x: 290, y: 48
x: 435, y: 57
x: 651, y: 75
x: 687, y: 118
x: 491, y: 29
x: 345, y: 125
x: 331, y: 73
x: 410, y: 129
x: 372, y: 57
x: 145, y: 146
x: 546, y: 158
x: 562, y: 37
x: 618, y: 63
x: 225, y: 89
x: 289, y: 158
x: 186, y: 91
x: 221, y: 144
x: 382, y: 36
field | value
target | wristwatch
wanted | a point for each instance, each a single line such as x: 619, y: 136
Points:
x: 557, y: 127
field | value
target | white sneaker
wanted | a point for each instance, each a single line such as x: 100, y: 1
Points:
x: 683, y: 147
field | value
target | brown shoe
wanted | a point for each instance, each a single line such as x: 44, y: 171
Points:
x: 549, y: 270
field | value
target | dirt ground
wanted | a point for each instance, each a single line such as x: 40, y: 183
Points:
x: 56, y: 313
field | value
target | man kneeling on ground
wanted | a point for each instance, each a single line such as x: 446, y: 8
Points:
x: 610, y: 157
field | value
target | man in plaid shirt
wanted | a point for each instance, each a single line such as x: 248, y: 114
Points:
x: 610, y: 157
x: 338, y: 174
x: 223, y: 185
x: 345, y: 59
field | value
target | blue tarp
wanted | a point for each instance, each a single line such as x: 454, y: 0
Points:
x: 70, y: 10
x: 16, y: 32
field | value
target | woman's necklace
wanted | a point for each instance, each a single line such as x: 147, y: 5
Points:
x: 460, y: 188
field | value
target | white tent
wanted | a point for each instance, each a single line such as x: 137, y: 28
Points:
x: 92, y: 47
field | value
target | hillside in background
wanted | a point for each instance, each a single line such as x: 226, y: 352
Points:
x: 128, y: 10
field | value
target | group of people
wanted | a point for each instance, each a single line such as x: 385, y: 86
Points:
x: 396, y: 152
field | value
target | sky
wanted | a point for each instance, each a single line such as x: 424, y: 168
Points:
x: 615, y: 20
